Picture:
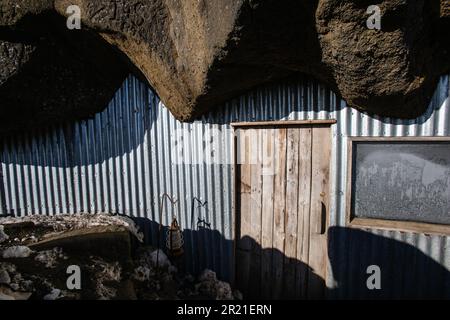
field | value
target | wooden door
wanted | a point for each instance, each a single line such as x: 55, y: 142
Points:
x: 281, y: 204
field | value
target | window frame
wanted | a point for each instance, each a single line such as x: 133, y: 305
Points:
x: 385, y: 224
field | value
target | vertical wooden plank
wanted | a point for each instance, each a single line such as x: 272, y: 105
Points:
x: 279, y: 212
x: 267, y: 212
x: 291, y: 216
x: 255, y: 213
x: 304, y: 201
x: 244, y: 195
x: 321, y: 153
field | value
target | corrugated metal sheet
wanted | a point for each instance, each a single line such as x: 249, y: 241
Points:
x: 123, y: 160
x: 350, y: 249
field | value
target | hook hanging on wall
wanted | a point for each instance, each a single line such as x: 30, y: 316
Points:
x: 201, y: 205
x: 198, y: 254
x: 164, y: 196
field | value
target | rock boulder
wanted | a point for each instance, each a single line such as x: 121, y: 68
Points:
x: 198, y: 54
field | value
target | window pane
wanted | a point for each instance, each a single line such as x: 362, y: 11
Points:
x: 402, y: 181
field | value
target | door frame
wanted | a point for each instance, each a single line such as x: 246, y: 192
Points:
x: 235, y: 220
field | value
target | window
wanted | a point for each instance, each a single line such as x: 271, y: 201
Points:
x: 399, y: 183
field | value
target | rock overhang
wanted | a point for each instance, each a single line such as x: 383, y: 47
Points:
x: 199, y: 54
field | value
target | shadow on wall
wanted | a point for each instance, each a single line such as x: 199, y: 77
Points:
x: 406, y: 273
x: 136, y: 114
x: 114, y: 132
x: 204, y: 248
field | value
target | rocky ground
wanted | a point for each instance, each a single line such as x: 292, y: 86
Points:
x: 36, y: 251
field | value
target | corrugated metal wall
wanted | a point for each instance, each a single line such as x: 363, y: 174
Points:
x: 352, y: 251
x: 123, y: 160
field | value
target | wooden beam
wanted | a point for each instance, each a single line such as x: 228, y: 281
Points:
x: 291, y: 214
x: 404, y: 226
x: 268, y: 160
x: 244, y: 244
x: 304, y: 207
x: 255, y: 218
x: 320, y: 195
x: 279, y: 213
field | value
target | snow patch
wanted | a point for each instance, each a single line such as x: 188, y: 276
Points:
x: 4, y: 277
x: 64, y: 222
x: 211, y: 287
x: 50, y: 257
x: 3, y: 235
x: 53, y: 295
x: 16, y: 252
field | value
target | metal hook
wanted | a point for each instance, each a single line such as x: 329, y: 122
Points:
x: 201, y: 205
x: 206, y: 225
x: 165, y: 195
x: 173, y: 202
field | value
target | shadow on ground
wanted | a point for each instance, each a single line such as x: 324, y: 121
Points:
x: 406, y: 272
